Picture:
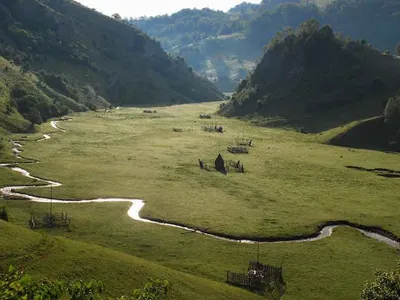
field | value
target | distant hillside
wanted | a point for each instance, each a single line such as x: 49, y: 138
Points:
x: 93, y: 59
x: 312, y: 78
x: 373, y: 20
x: 224, y: 47
x: 212, y: 42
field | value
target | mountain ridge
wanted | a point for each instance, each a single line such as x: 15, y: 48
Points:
x: 94, y: 66
x: 192, y: 33
x: 317, y: 80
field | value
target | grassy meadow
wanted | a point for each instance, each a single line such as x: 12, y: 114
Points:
x: 292, y: 183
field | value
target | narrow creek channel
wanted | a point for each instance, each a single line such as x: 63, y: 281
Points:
x: 137, y: 205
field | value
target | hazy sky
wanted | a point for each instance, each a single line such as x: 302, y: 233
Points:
x: 135, y: 8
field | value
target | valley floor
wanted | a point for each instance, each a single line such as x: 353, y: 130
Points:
x: 291, y: 185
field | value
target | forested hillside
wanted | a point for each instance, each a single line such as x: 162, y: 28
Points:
x: 225, y: 46
x: 372, y: 20
x: 91, y: 59
x: 212, y: 42
x: 312, y: 78
x: 26, y: 100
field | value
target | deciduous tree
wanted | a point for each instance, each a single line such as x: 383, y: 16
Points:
x: 386, y: 286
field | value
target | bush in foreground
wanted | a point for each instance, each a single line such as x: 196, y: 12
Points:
x: 16, y: 285
x: 386, y: 286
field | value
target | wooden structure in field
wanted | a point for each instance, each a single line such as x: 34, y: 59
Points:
x: 221, y: 165
x: 50, y: 221
x: 212, y: 128
x: 264, y: 279
x: 238, y: 150
x: 205, y: 116
x: 243, y: 142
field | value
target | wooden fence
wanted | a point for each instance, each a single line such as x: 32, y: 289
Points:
x: 264, y: 279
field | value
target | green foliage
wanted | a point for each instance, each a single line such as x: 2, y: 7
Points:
x: 386, y: 286
x: 32, y: 105
x: 15, y: 285
x: 153, y: 290
x: 268, y: 21
x: 309, y: 73
x: 117, y: 17
x: 59, y: 39
x: 188, y: 26
x: 197, y: 34
x: 79, y: 290
x: 392, y: 111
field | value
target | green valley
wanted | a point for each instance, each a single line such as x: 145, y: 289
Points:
x: 291, y: 185
x: 125, y: 171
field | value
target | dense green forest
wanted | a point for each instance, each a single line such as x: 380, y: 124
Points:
x: 313, y: 78
x: 89, y: 60
x: 225, y: 46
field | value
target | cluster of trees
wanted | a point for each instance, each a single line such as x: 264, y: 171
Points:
x: 194, y: 34
x: 33, y: 105
x: 16, y: 285
x: 190, y: 26
x: 310, y: 71
x: 120, y: 63
x: 187, y: 26
x: 369, y: 18
x: 359, y: 19
x: 392, y: 119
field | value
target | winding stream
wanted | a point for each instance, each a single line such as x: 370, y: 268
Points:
x: 137, y: 205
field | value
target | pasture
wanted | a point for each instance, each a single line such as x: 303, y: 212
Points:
x: 291, y: 185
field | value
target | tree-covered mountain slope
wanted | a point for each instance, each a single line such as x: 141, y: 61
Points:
x: 78, y: 51
x: 212, y: 42
x: 25, y: 99
x: 373, y: 20
x: 224, y: 47
x: 312, y: 78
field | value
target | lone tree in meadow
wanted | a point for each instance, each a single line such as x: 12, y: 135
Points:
x: 386, y: 286
x: 392, y: 111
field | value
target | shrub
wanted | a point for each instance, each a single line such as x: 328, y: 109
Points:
x: 16, y: 285
x: 392, y: 111
x: 386, y: 286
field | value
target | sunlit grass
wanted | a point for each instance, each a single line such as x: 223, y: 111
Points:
x: 291, y: 184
